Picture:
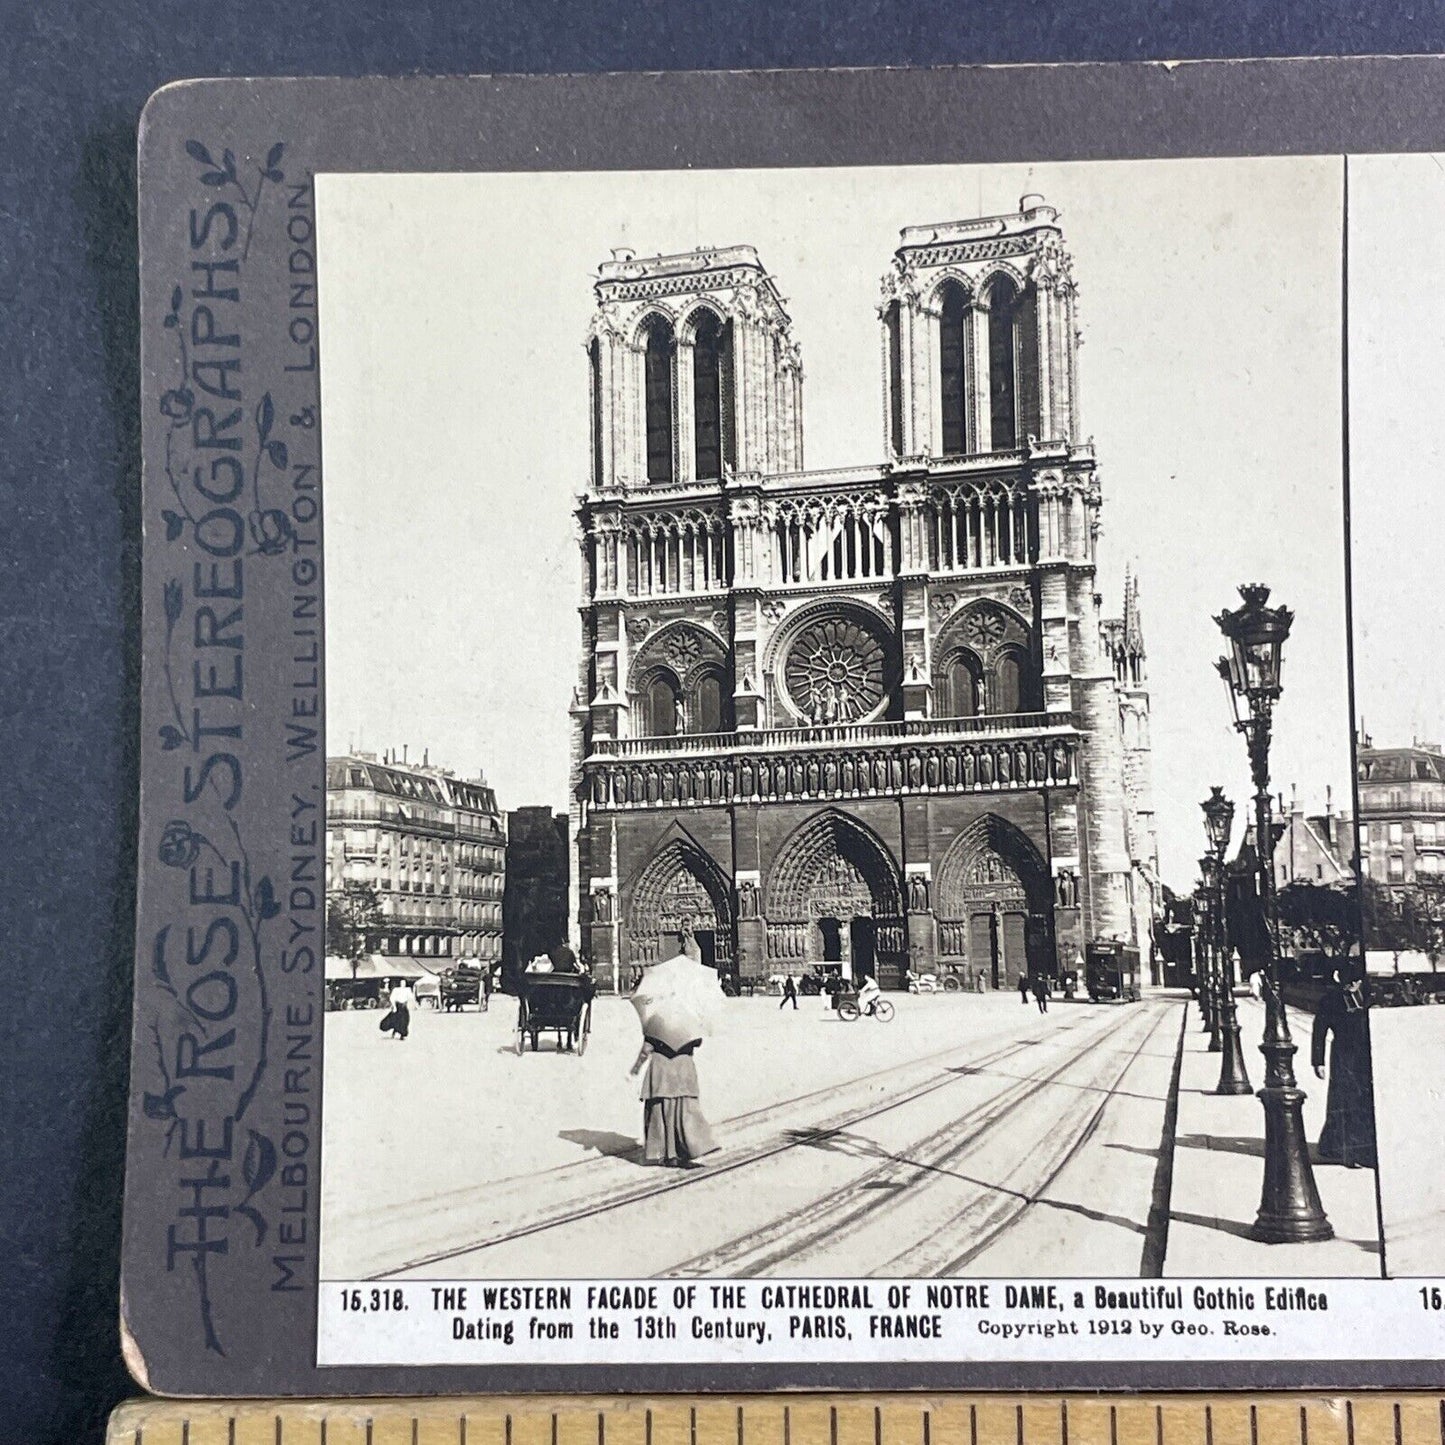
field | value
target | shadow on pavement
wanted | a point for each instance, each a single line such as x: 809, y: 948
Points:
x: 604, y: 1141
x: 1229, y: 1143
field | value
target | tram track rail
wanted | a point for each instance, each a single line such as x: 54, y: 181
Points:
x: 625, y: 1195
x: 853, y: 1206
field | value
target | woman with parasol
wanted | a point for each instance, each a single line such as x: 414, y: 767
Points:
x: 677, y: 1003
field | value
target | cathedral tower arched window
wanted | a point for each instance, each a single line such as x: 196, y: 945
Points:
x: 712, y: 396
x: 893, y: 323
x: 594, y: 363
x: 1002, y: 365
x: 953, y: 339
x: 658, y: 384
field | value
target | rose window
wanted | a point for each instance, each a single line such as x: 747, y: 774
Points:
x: 834, y: 671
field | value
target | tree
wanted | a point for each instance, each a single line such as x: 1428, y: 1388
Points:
x: 1320, y: 919
x: 353, y: 920
x: 1404, y: 920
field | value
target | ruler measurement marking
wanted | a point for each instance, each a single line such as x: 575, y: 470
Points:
x: 973, y: 1425
x: 1158, y: 1425
x: 1398, y: 1436
x: 928, y: 1426
x: 1304, y: 1426
x: 1349, y: 1421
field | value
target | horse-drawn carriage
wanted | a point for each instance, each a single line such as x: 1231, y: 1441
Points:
x: 559, y: 1003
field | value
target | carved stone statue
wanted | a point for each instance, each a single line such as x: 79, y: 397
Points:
x: 747, y: 899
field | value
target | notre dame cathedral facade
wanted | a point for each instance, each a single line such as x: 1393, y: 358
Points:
x: 870, y: 716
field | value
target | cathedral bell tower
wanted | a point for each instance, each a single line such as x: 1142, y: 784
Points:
x: 979, y: 336
x: 694, y: 372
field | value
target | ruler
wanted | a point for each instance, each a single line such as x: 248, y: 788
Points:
x: 904, y: 1419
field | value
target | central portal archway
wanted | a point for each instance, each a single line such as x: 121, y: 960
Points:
x: 834, y: 897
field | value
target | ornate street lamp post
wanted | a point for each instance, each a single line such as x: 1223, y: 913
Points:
x: 1289, y: 1208
x: 1208, y: 954
x: 1218, y: 824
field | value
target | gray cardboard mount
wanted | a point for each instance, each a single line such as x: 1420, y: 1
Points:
x: 223, y: 1170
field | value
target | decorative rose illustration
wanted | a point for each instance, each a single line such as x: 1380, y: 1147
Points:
x: 180, y: 844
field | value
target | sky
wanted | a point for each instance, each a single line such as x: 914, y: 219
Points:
x: 455, y: 429
x: 1397, y: 443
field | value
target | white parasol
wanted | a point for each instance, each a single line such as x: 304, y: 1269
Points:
x: 678, y: 1001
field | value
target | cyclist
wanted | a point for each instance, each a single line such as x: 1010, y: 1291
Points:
x: 868, y: 994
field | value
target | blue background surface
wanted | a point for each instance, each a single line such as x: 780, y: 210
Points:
x: 73, y: 78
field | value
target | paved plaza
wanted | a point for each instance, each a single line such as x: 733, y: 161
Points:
x: 971, y: 1135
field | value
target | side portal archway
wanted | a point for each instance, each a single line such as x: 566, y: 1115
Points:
x: 680, y: 890
x: 994, y: 903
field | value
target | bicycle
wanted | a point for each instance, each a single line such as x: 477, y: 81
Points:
x: 879, y: 1008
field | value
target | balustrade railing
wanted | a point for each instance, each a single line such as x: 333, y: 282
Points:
x: 833, y: 734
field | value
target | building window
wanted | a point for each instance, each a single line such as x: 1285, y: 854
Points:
x: 1428, y: 865
x: 953, y: 339
x: 707, y: 705
x: 892, y: 320
x: 711, y: 396
x: 662, y: 707
x: 1002, y: 368
x: 962, y: 691
x: 657, y: 369
x: 1397, y: 870
x: 1015, y: 687
x: 1397, y: 832
x: 1425, y: 833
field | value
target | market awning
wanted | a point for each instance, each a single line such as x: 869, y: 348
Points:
x: 374, y: 966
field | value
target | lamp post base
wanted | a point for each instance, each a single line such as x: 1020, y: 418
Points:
x: 1290, y: 1211
x: 1233, y: 1076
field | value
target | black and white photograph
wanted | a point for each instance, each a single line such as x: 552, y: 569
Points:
x: 811, y: 657
x: 1397, y: 322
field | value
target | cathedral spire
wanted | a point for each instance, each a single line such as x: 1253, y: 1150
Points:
x: 1133, y: 625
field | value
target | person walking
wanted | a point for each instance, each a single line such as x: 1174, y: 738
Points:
x: 1041, y: 992
x: 1024, y: 989
x: 1348, y: 1136
x: 398, y: 1020
x: 790, y: 993
x: 675, y: 1132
